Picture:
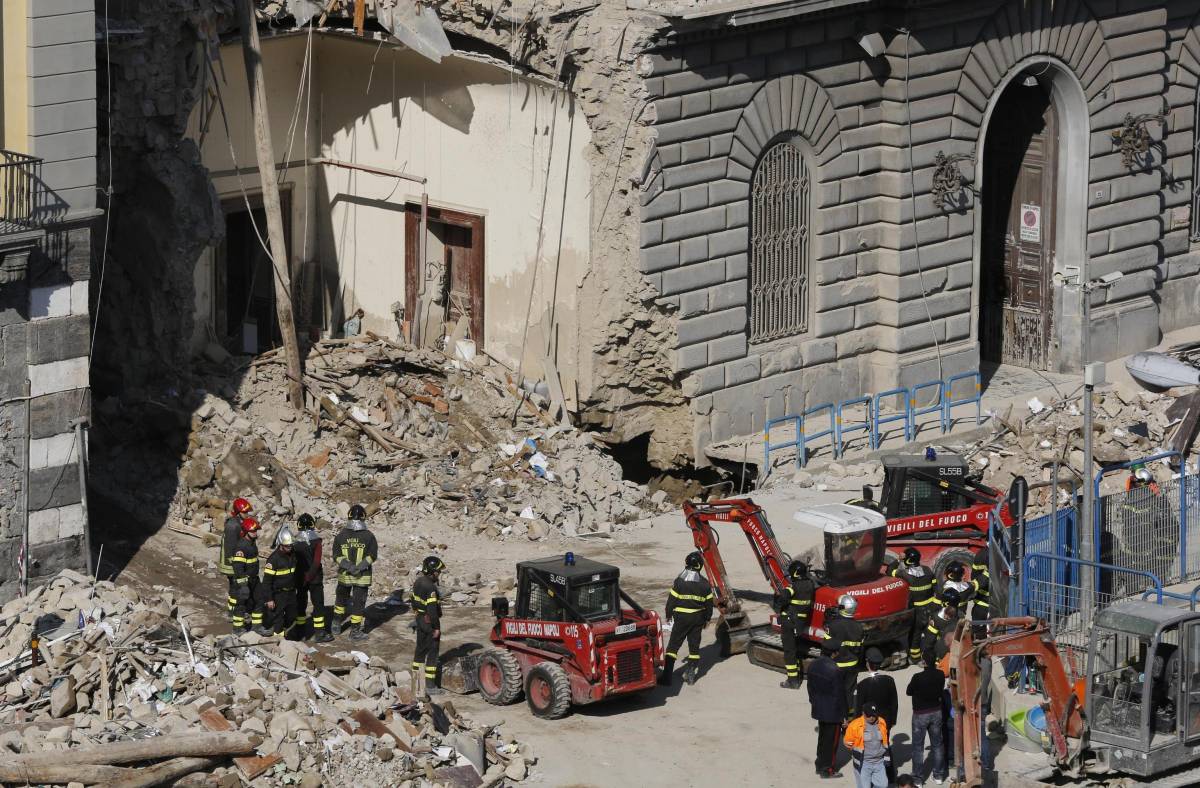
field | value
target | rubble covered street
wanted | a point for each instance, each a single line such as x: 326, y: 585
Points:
x: 492, y: 324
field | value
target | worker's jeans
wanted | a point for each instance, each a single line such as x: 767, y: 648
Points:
x: 928, y: 722
x: 871, y: 774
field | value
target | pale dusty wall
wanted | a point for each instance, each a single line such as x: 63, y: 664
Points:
x: 489, y: 142
x: 16, y: 83
x: 483, y: 138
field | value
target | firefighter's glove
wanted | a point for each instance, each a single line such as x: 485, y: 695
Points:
x: 346, y: 566
x: 362, y: 567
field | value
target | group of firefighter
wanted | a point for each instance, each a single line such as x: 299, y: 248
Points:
x: 293, y: 576
x: 936, y: 612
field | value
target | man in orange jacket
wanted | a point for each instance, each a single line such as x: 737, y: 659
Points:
x: 867, y: 739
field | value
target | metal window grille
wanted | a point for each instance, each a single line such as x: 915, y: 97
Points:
x: 780, y: 202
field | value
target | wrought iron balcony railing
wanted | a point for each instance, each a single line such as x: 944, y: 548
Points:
x: 22, y: 192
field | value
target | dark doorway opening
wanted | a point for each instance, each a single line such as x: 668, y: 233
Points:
x: 244, y: 290
x: 454, y: 277
x: 1020, y: 173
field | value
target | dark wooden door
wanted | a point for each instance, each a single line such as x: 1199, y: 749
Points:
x: 1016, y: 294
x: 462, y: 238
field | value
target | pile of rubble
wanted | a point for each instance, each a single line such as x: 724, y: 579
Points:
x: 101, y: 687
x: 420, y: 438
x: 1035, y: 439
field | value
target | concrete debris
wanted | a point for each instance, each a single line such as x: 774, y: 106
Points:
x: 115, y: 672
x: 417, y: 437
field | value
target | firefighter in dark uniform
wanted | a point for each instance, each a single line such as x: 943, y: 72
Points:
x: 922, y: 598
x: 689, y: 608
x: 355, y: 551
x: 231, y: 532
x: 246, y: 613
x: 849, y: 635
x: 427, y: 604
x: 795, y: 610
x: 310, y: 579
x: 1146, y: 524
x: 942, y: 623
x: 866, y: 501
x: 279, y: 586
x: 981, y: 597
x: 955, y: 582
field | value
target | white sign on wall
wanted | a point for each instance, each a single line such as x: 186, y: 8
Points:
x: 1031, y: 223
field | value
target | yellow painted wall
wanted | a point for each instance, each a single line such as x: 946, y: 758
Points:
x: 14, y: 39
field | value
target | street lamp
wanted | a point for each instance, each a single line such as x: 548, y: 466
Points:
x: 1093, y: 375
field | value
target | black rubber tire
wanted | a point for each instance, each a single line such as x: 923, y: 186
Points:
x: 939, y: 567
x: 548, y: 691
x: 507, y: 669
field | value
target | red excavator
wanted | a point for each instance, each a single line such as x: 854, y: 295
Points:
x: 854, y: 544
x: 933, y: 504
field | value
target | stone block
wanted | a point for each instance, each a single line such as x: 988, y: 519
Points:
x: 744, y: 370
x: 737, y: 214
x: 693, y: 303
x: 693, y: 198
x: 727, y: 348
x: 665, y: 204
x: 726, y: 191
x: 694, y: 150
x: 688, y: 225
x: 704, y: 381
x: 736, y: 267
x: 50, y: 558
x: 659, y: 258
x: 58, y: 376
x: 43, y: 526
x: 834, y: 322
x: 651, y: 233
x: 50, y: 488
x: 59, y: 339
x: 53, y: 413
x: 693, y: 277
x: 727, y: 295
x: 711, y: 326
x: 695, y: 172
x: 818, y: 351
x: 697, y: 128
x: 53, y: 451
x: 691, y: 357
x: 735, y: 241
x: 693, y: 250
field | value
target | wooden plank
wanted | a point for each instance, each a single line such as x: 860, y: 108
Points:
x: 369, y: 723
x: 557, y: 400
x: 1185, y: 433
x: 250, y: 766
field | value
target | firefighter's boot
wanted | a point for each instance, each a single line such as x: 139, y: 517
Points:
x: 322, y: 635
x: 664, y: 678
x: 690, y: 673
x: 791, y: 683
x: 359, y: 632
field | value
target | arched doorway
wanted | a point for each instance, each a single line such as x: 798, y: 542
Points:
x: 1019, y: 201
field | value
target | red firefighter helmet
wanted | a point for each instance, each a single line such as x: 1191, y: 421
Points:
x: 241, y: 506
x: 250, y: 526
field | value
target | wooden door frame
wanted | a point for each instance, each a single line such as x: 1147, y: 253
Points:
x: 1070, y: 225
x: 412, y: 247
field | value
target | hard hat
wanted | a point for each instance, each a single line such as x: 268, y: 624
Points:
x: 357, y: 512
x: 912, y: 556
x: 950, y: 597
x: 241, y: 506
x: 285, y: 537
x: 432, y: 564
x: 848, y: 605
x: 1143, y: 475
x: 250, y: 526
x: 797, y: 569
x: 694, y: 561
x: 306, y: 522
x: 955, y: 570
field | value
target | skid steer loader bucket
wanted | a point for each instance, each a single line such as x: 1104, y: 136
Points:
x: 733, y: 633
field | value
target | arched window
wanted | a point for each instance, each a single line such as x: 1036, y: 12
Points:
x: 780, y: 242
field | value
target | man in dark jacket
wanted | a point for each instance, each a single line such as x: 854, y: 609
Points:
x: 689, y: 609
x: 231, y: 534
x: 426, y: 602
x: 828, y: 703
x: 355, y: 550
x: 310, y: 579
x: 925, y: 689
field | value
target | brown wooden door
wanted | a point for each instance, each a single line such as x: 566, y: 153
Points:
x: 1016, y: 294
x: 461, y: 239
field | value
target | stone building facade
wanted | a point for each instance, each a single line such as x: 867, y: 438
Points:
x: 884, y: 193
x: 47, y: 211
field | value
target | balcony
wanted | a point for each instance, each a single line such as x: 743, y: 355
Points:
x: 22, y: 194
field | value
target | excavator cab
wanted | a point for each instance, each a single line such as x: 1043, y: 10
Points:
x: 1143, y: 698
x: 855, y: 542
x: 911, y: 484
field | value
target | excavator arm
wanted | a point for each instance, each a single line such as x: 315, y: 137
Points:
x: 970, y: 669
x: 734, y: 628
